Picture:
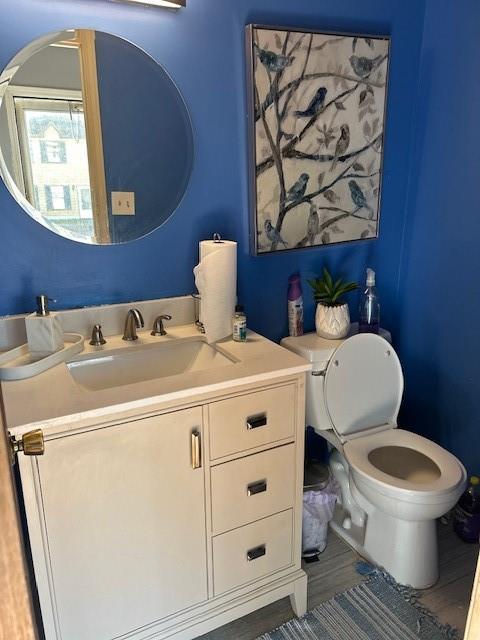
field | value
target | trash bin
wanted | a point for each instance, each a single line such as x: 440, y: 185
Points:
x: 319, y: 497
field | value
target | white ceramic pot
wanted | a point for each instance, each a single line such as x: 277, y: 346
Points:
x: 332, y: 322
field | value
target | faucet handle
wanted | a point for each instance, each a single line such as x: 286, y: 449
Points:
x: 158, y: 328
x: 97, y: 336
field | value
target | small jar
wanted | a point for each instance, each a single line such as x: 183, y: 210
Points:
x: 239, y: 324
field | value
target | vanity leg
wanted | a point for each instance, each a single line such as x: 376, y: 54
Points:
x: 298, y: 599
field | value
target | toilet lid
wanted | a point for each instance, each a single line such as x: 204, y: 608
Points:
x: 363, y: 386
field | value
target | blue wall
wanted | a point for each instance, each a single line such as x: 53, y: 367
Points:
x: 202, y: 47
x: 440, y: 277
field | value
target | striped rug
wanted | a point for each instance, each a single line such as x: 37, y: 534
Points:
x: 377, y: 609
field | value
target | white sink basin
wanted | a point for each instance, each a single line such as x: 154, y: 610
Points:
x: 145, y: 362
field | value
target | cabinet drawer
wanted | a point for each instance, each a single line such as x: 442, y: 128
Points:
x: 251, y: 488
x: 253, y: 551
x: 252, y: 420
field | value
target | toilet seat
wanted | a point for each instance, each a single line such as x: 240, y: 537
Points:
x: 363, y: 386
x: 451, y: 473
x: 363, y: 391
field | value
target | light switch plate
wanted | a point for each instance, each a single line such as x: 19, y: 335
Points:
x: 123, y: 203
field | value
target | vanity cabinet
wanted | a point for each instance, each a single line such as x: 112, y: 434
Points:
x: 124, y: 518
x: 170, y: 524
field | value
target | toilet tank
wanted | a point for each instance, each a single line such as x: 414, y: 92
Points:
x: 319, y: 352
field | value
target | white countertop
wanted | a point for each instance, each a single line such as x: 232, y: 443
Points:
x: 48, y: 399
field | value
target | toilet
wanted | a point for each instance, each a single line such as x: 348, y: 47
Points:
x: 394, y: 483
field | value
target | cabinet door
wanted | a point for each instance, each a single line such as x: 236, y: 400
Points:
x: 124, y: 516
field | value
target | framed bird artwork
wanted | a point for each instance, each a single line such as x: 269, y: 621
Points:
x: 317, y: 104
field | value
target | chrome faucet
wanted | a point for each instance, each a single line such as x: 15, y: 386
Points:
x: 158, y: 328
x: 133, y: 321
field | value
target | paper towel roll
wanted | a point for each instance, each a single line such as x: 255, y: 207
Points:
x: 216, y: 281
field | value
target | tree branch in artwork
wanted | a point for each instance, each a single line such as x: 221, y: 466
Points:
x: 308, y: 198
x: 275, y: 144
x: 316, y: 157
x: 344, y: 175
x: 329, y: 223
x: 314, y: 194
x: 302, y: 75
x: 287, y: 149
x: 294, y: 84
x: 277, y: 161
x: 328, y: 157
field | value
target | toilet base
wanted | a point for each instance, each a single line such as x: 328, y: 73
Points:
x: 353, y: 535
x: 406, y: 549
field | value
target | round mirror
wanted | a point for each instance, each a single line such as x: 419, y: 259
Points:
x: 96, y: 142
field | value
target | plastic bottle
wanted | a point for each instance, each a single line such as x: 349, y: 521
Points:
x: 466, y: 516
x: 295, y: 306
x: 239, y: 324
x: 369, y: 318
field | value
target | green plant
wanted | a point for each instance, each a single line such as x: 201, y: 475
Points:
x: 328, y: 292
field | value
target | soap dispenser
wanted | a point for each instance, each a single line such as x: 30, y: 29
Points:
x: 44, y: 330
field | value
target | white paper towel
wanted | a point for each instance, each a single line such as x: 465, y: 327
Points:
x: 216, y: 281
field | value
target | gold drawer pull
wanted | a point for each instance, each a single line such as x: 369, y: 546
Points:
x: 258, y: 420
x: 196, y: 450
x: 257, y: 552
x: 256, y: 487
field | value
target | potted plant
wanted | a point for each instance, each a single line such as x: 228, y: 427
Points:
x: 332, y: 317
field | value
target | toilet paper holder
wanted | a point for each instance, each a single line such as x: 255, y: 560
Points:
x: 197, y: 297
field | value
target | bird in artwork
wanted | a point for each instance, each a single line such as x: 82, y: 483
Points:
x: 358, y: 197
x: 364, y: 66
x: 313, y: 224
x: 342, y: 145
x: 272, y: 234
x: 297, y: 191
x: 273, y: 61
x: 316, y: 103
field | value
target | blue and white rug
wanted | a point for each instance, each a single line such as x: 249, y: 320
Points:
x: 378, y: 609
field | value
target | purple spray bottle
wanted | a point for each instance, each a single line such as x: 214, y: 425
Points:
x: 295, y: 306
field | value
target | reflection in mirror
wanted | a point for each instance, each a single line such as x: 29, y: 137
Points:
x: 95, y: 139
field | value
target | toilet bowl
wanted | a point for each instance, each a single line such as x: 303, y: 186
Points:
x: 394, y: 483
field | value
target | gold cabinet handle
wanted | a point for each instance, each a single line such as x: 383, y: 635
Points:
x: 196, y: 449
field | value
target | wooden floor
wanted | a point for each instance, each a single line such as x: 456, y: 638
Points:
x: 448, y: 599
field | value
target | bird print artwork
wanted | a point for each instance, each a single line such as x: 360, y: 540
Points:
x: 297, y: 191
x: 342, y: 145
x: 316, y: 104
x: 273, y: 235
x: 362, y: 66
x: 317, y: 120
x: 358, y: 197
x: 313, y: 224
x: 274, y: 61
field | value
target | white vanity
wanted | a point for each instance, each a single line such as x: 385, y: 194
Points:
x: 168, y: 498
